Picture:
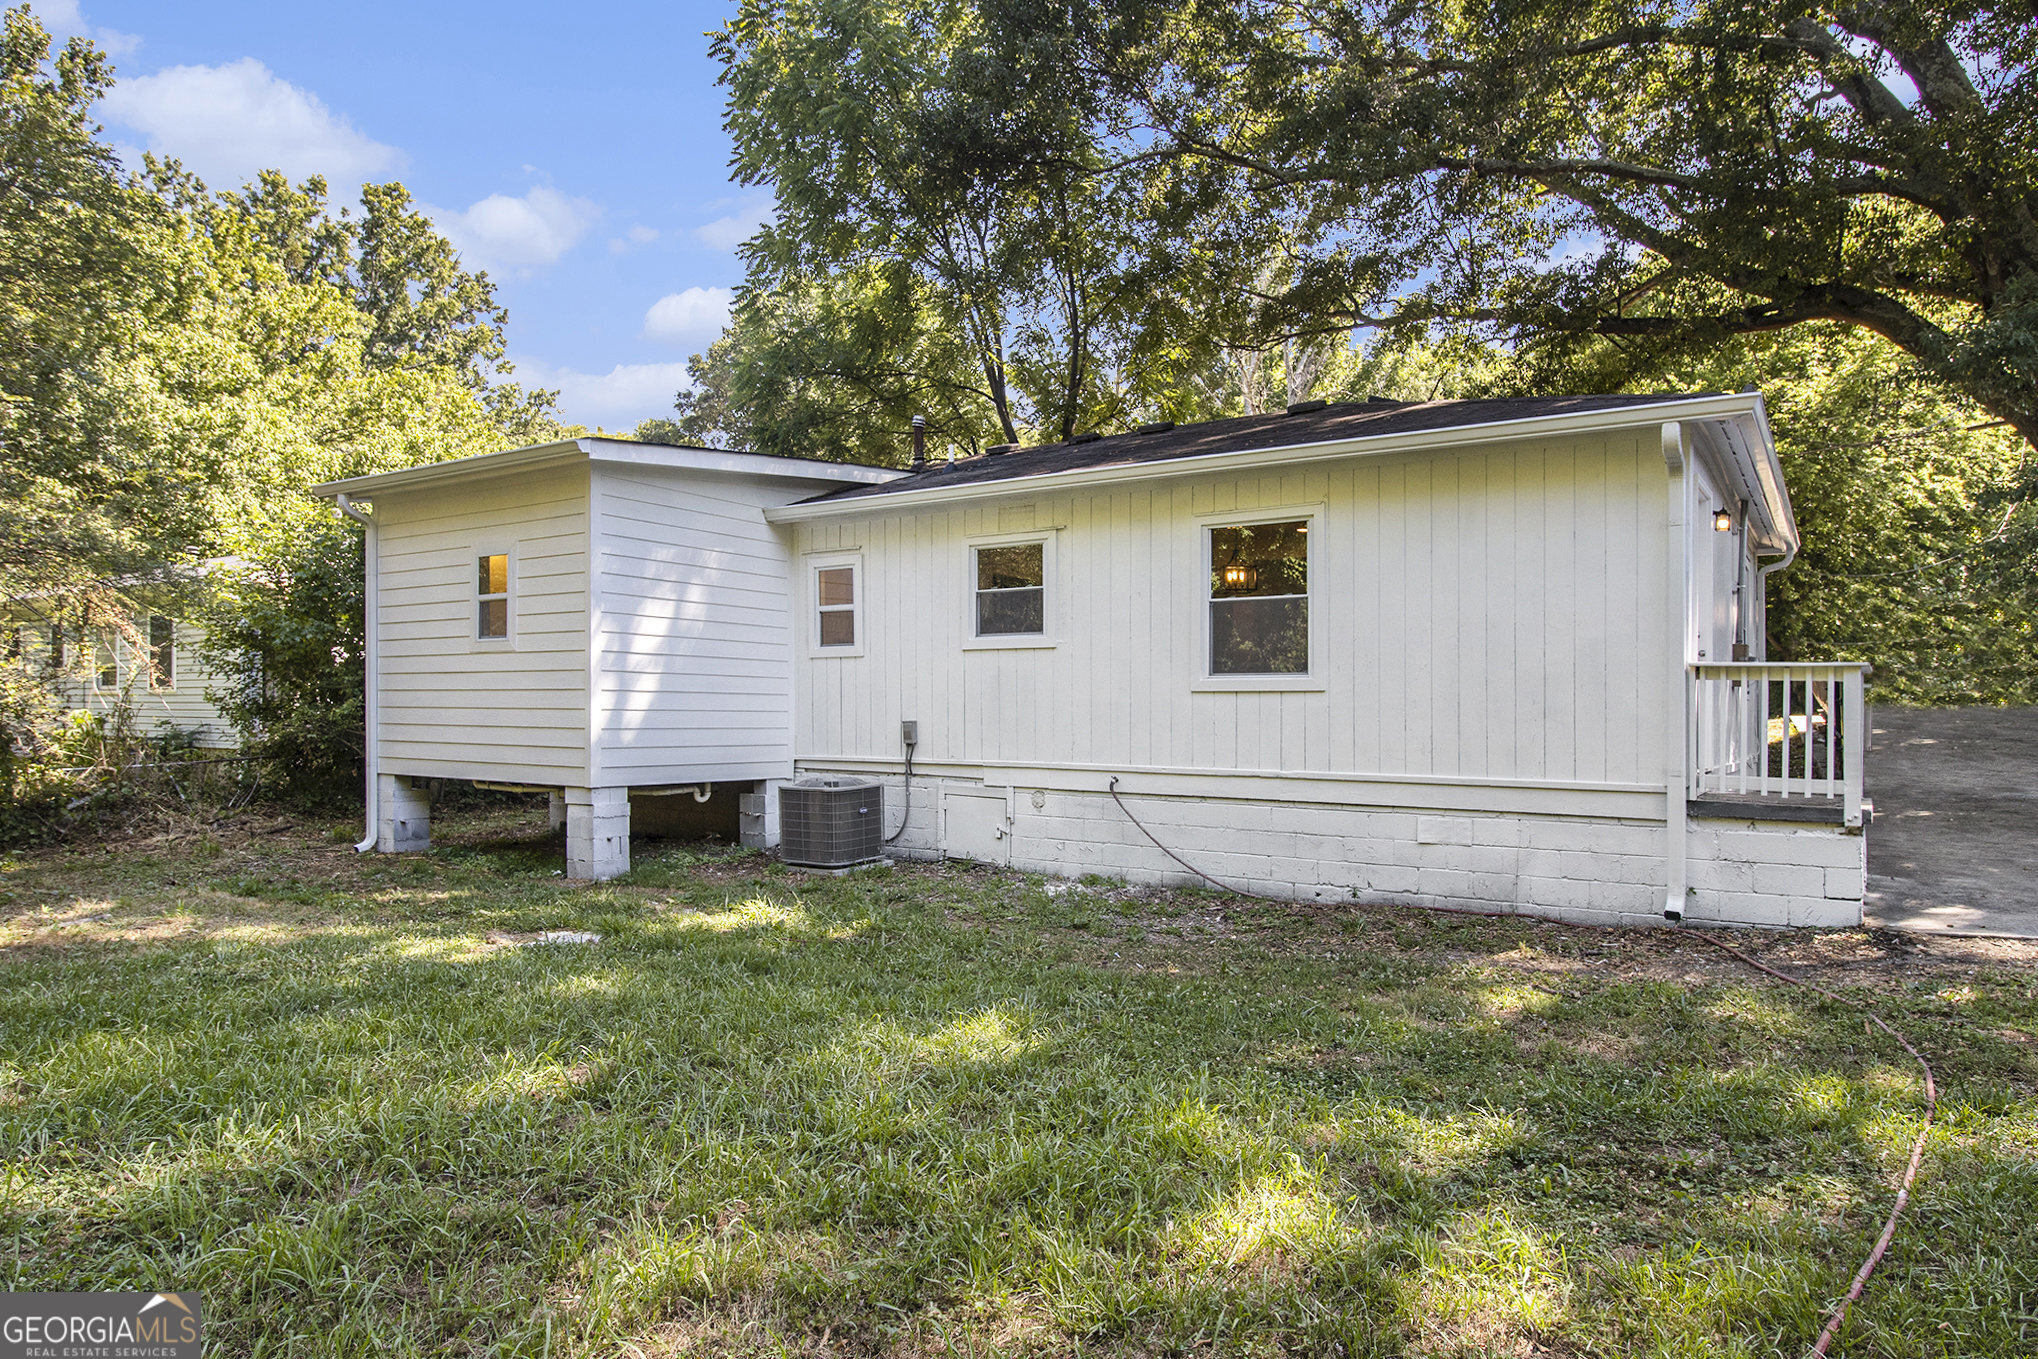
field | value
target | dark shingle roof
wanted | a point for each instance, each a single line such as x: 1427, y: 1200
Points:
x: 1342, y: 420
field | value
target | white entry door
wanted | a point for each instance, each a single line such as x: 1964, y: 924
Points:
x: 976, y: 824
x: 1714, y: 557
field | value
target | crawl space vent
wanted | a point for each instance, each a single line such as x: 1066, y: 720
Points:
x: 831, y: 822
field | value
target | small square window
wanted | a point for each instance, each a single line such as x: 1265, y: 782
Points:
x: 835, y: 602
x: 492, y: 581
x: 1011, y: 590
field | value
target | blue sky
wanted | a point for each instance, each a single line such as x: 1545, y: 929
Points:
x: 576, y: 152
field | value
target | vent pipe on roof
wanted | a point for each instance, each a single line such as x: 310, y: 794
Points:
x: 919, y: 443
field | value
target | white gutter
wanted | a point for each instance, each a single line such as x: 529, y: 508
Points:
x: 1729, y: 407
x: 565, y: 451
x: 371, y: 677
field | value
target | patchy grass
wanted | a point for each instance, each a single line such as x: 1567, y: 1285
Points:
x: 930, y: 1110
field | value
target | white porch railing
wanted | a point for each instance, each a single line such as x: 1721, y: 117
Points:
x: 1777, y: 730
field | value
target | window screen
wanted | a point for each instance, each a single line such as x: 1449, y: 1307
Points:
x: 492, y: 618
x: 162, y: 652
x: 1259, y: 599
x: 835, y: 590
x: 1011, y: 590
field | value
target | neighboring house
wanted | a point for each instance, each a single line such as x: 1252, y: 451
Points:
x: 159, y: 673
x: 1484, y: 654
x: 151, y: 664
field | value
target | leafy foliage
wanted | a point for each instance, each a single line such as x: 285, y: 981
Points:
x: 1916, y: 556
x: 178, y: 366
x: 285, y: 631
x: 1668, y: 175
x: 940, y: 247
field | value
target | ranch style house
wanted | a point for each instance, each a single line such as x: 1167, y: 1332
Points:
x: 1500, y: 654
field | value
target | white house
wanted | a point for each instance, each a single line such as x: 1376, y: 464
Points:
x: 156, y: 668
x: 152, y: 666
x: 1485, y: 654
x: 589, y: 617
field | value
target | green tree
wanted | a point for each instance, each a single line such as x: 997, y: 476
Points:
x: 177, y: 366
x: 941, y: 245
x: 83, y: 259
x: 1666, y: 175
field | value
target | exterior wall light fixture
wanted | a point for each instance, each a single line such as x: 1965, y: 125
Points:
x: 1723, y: 521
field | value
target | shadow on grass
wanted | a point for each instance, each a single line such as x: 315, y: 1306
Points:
x: 764, y: 1111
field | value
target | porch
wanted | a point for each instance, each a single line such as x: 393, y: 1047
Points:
x: 1778, y: 741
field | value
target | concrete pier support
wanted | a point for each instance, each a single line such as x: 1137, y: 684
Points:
x: 597, y: 832
x: 758, y: 815
x: 403, y: 822
x: 558, y: 811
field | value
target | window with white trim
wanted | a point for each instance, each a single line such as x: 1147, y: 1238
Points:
x: 1011, y: 589
x: 1259, y: 598
x: 492, y: 596
x: 835, y: 606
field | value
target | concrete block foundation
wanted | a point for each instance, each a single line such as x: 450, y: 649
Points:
x: 597, y: 833
x: 403, y: 814
x: 1587, y: 870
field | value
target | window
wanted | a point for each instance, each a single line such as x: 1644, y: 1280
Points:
x: 162, y: 652
x: 58, y: 657
x: 835, y: 604
x: 1011, y: 590
x: 1259, y: 598
x: 108, y: 659
x: 492, y: 610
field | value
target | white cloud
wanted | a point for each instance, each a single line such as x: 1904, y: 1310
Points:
x: 62, y: 19
x: 615, y: 400
x: 691, y: 317
x: 726, y: 233
x: 629, y: 240
x: 228, y: 122
x: 501, y: 232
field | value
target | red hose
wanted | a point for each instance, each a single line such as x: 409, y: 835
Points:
x: 1903, y: 1193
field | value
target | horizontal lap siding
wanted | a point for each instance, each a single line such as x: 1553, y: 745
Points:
x: 1486, y: 613
x: 449, y: 706
x: 182, y: 707
x: 694, y: 628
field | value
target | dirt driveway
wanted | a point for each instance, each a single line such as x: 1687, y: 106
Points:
x: 1954, y: 845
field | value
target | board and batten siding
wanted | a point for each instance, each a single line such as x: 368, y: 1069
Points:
x: 1487, y: 615
x: 456, y: 707
x: 693, y: 627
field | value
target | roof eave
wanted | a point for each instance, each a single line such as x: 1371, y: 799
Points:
x: 625, y: 452
x: 1732, y: 406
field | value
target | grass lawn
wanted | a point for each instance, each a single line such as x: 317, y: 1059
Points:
x: 930, y: 1110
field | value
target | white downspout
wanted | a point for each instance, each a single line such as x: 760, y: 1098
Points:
x: 371, y: 677
x: 1762, y: 589
x: 1677, y: 732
